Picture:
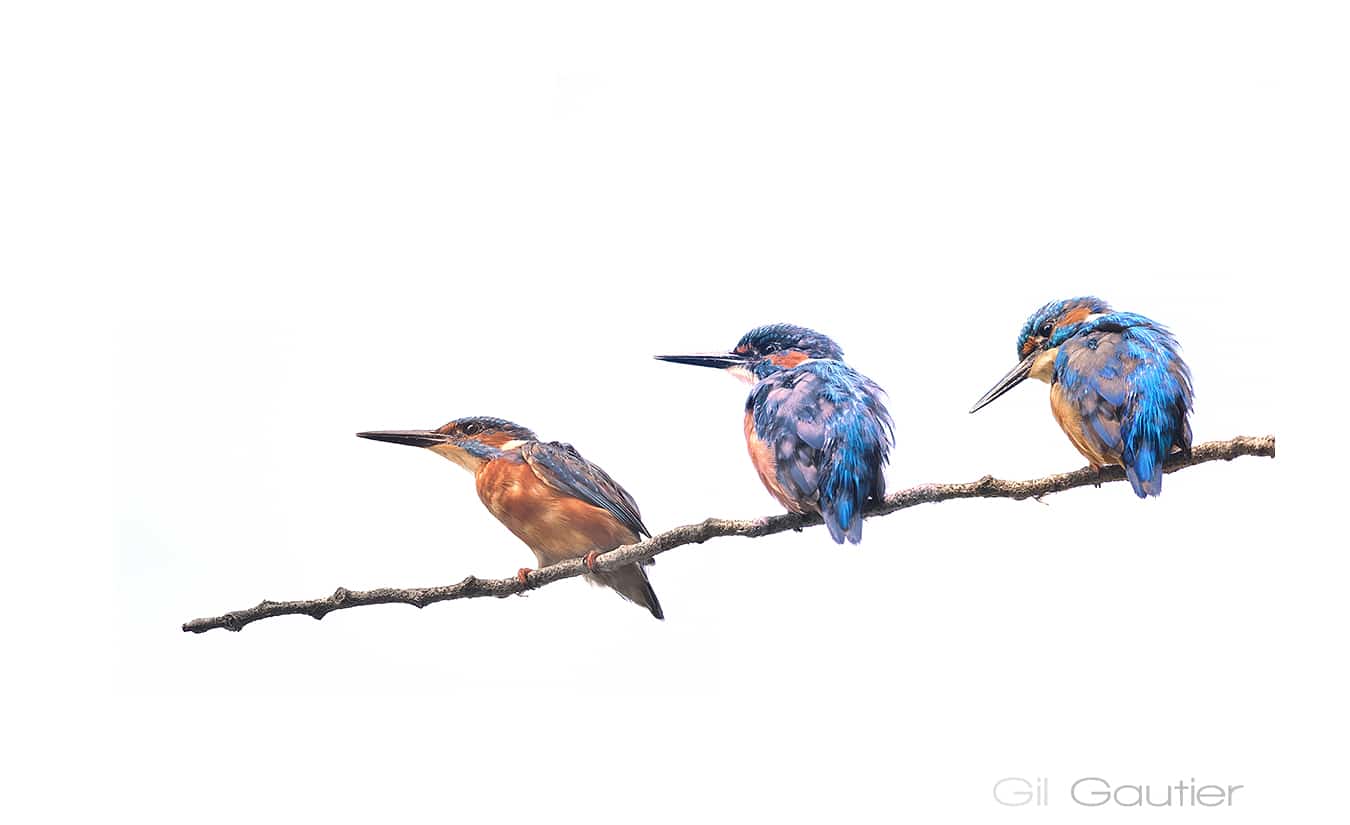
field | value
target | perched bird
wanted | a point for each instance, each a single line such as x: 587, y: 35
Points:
x: 558, y: 503
x: 1118, y: 387
x: 818, y: 432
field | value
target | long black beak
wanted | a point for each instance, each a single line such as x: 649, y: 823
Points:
x: 716, y: 360
x: 413, y: 438
x: 1018, y: 374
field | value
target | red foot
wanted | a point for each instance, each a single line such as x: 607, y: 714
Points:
x: 522, y: 573
x: 590, y: 560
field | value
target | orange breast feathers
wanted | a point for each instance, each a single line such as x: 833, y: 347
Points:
x: 1072, y: 423
x: 762, y: 456
x: 554, y: 525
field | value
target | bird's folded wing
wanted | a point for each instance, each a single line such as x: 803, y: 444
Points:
x: 1093, y: 377
x: 562, y: 468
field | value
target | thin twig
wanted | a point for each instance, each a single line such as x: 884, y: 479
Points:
x: 473, y: 587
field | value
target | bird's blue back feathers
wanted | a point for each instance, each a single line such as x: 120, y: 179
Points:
x: 1127, y: 381
x: 831, y: 435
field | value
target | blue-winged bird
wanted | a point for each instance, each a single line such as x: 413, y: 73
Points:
x: 818, y: 432
x: 1118, y: 387
x: 561, y: 505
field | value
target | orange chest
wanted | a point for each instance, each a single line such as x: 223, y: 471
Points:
x: 1079, y: 430
x: 511, y: 491
x: 762, y: 456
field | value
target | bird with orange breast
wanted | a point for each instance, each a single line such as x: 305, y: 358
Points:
x: 561, y: 505
x: 817, y: 430
x: 1118, y: 386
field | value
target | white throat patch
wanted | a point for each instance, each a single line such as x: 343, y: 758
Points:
x: 742, y: 374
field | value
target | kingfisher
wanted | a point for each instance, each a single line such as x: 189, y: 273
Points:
x: 1118, y: 386
x: 817, y: 430
x: 561, y: 505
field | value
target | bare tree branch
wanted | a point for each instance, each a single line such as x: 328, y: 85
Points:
x: 473, y: 587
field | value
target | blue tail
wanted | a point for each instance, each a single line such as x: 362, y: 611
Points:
x: 1157, y: 417
x: 1153, y: 431
x: 853, y: 480
x: 1145, y: 474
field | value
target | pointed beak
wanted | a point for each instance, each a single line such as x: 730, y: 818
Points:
x: 716, y: 360
x: 1017, y: 375
x: 413, y: 438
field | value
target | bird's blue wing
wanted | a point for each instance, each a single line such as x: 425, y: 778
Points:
x: 1133, y: 393
x: 1091, y: 376
x: 562, y: 468
x: 831, y: 437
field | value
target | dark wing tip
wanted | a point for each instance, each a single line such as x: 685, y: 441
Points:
x: 654, y: 605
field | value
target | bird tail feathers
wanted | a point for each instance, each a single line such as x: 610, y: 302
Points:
x: 630, y: 581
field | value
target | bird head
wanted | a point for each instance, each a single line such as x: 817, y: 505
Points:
x: 765, y: 350
x: 1038, y: 342
x: 469, y: 442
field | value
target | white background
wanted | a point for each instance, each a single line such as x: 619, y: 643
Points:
x: 235, y: 234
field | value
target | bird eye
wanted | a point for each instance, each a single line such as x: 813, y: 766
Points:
x: 472, y: 428
x: 768, y: 348
x: 1047, y: 328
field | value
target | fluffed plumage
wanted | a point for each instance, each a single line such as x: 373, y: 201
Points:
x: 1118, y: 385
x: 818, y: 431
x: 1123, y: 376
x: 828, y: 437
